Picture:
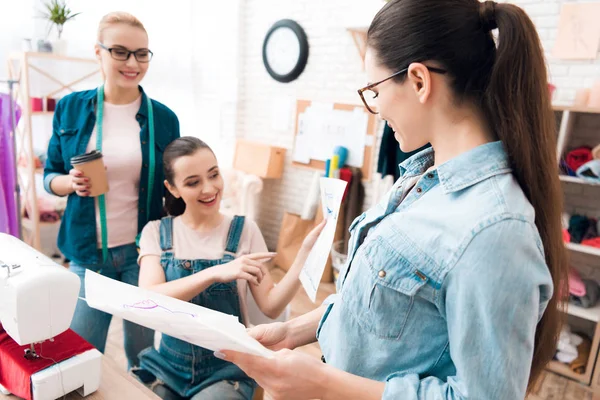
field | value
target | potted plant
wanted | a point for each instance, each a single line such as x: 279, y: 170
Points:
x: 58, y: 14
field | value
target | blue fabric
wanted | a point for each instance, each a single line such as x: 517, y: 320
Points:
x: 92, y: 324
x: 74, y: 121
x: 444, y: 285
x: 184, y: 368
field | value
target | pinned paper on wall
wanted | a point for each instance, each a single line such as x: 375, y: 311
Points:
x: 332, y: 192
x: 578, y: 32
x: 323, y: 124
x: 201, y: 326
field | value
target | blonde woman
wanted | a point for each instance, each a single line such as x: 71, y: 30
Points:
x: 131, y: 130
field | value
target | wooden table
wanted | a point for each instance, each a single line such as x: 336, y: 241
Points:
x: 116, y: 384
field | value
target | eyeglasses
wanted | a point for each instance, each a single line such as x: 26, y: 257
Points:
x: 122, y: 54
x: 368, y: 95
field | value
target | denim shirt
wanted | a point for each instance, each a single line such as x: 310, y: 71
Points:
x: 444, y: 284
x: 74, y: 121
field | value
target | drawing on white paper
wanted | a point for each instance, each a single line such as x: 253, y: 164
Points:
x: 332, y: 192
x: 152, y: 305
x: 578, y: 32
x: 197, y: 325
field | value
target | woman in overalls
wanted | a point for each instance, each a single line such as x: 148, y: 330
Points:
x: 199, y: 255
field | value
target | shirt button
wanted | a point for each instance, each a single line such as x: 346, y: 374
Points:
x: 187, y: 264
x: 145, y: 165
x: 382, y: 274
x: 419, y: 190
x: 143, y: 190
x: 144, y: 142
x: 430, y: 176
x: 142, y: 210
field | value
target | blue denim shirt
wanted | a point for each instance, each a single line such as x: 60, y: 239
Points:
x: 443, y: 288
x: 74, y: 121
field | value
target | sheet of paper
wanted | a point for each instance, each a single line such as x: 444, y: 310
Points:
x: 332, y: 192
x: 303, y: 144
x: 334, y: 128
x: 186, y: 321
x: 578, y: 32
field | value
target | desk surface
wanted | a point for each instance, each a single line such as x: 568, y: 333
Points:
x: 116, y: 384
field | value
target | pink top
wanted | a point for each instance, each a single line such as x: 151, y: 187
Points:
x: 122, y: 154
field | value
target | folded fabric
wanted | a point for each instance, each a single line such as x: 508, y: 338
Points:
x: 567, y: 345
x: 596, y: 152
x: 595, y: 242
x: 565, y: 358
x: 582, y: 228
x: 592, y: 294
x: 576, y: 158
x: 566, y: 236
x: 49, y: 216
x: 576, y: 285
x: 590, y: 171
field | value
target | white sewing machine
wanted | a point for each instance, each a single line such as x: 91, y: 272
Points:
x: 37, y: 302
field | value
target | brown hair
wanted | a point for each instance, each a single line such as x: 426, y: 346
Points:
x: 509, y: 84
x: 118, y: 17
x: 180, y: 147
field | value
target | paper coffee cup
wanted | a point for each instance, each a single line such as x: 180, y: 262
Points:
x: 92, y: 166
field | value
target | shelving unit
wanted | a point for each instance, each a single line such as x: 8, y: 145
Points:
x: 24, y: 67
x: 577, y: 126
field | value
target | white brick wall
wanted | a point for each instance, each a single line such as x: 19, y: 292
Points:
x: 334, y: 73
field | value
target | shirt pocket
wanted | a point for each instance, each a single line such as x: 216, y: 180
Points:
x: 381, y: 289
x: 68, y: 138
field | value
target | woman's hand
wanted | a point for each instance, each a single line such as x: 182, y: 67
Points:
x: 250, y: 267
x: 289, y: 375
x: 310, y: 240
x: 275, y: 336
x: 79, y: 183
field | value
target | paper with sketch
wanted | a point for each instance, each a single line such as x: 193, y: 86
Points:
x: 578, y: 32
x: 332, y: 192
x: 201, y: 326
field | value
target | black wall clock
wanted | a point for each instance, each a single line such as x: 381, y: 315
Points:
x: 285, y: 50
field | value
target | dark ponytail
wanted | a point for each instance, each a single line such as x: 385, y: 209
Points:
x: 517, y: 104
x: 181, y: 147
x: 509, y: 85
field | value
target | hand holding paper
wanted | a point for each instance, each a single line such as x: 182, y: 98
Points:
x: 332, y: 192
x: 201, y: 326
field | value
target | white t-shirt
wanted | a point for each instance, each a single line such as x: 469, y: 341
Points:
x: 122, y: 155
x: 189, y: 244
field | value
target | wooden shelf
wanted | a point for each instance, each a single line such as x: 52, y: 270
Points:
x: 574, y: 179
x: 50, y: 56
x: 580, y: 248
x: 359, y: 35
x: 564, y: 370
x: 579, y: 109
x: 590, y: 314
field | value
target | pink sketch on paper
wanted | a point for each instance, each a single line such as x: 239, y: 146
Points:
x: 578, y: 32
x: 152, y: 305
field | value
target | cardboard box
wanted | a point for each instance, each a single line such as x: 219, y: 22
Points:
x: 259, y: 159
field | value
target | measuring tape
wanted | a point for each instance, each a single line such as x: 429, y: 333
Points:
x: 102, y: 198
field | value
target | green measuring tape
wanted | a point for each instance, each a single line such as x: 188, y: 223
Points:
x: 151, y: 167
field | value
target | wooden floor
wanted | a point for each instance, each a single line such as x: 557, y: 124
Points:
x: 550, y: 387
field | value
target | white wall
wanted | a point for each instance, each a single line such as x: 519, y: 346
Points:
x: 334, y: 73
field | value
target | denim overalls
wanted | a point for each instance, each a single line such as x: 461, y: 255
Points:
x: 185, y: 368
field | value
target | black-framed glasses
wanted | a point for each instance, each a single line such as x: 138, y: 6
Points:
x: 122, y: 54
x: 369, y: 96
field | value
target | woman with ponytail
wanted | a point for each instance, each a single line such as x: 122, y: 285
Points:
x: 451, y: 289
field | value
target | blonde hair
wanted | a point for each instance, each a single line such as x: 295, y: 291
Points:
x: 118, y: 17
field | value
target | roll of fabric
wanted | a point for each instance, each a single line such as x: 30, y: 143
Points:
x: 583, y: 354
